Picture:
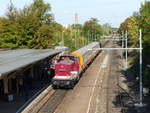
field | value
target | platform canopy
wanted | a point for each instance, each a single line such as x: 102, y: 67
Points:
x: 12, y: 60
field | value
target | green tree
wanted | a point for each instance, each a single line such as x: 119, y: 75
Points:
x: 77, y: 26
x: 30, y: 27
x: 131, y: 24
x: 140, y: 20
x: 92, y: 28
x: 107, y: 29
x: 41, y: 10
x: 145, y: 25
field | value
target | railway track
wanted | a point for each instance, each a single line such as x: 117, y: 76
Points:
x: 52, y: 103
x: 114, y: 101
x: 46, y: 102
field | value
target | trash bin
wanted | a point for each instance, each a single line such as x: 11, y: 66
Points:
x: 10, y: 97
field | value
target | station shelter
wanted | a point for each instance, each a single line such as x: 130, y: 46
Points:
x: 19, y: 68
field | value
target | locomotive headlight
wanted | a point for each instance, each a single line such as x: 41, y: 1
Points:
x: 74, y: 72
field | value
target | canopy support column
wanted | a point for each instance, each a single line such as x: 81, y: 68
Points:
x: 5, y: 81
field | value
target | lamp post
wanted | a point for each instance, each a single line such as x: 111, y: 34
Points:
x: 75, y: 40
x: 126, y: 49
x: 62, y: 38
x: 141, y: 77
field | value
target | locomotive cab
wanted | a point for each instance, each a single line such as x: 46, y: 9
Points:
x: 66, y: 71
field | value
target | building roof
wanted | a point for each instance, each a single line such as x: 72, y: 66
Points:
x: 12, y: 60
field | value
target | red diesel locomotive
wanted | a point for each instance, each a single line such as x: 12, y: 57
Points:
x: 69, y: 67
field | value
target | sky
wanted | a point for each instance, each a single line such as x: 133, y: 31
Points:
x: 106, y: 11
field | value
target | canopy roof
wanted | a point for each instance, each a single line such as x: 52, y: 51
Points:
x: 12, y: 60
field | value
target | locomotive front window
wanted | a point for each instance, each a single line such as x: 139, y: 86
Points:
x: 73, y: 58
x: 61, y: 58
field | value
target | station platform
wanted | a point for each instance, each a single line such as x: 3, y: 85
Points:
x: 20, y: 99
